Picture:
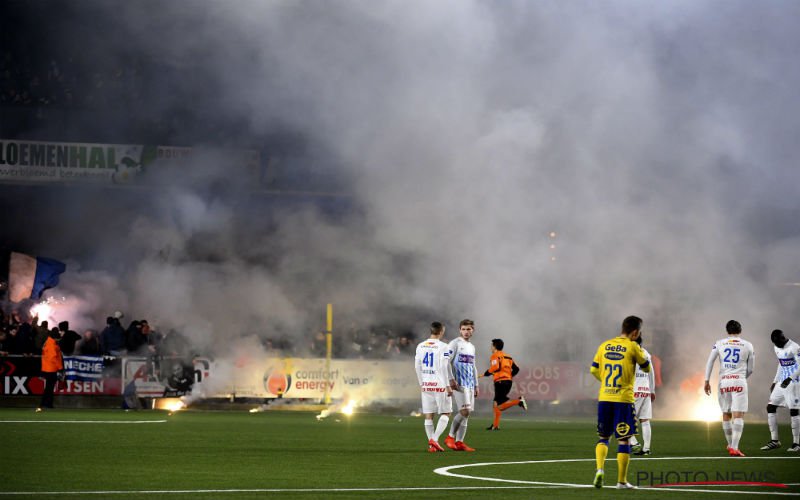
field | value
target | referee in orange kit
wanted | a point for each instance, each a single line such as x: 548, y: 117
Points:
x: 503, y: 369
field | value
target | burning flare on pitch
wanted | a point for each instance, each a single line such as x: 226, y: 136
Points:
x: 345, y: 408
x: 349, y: 407
x: 699, y: 406
x: 171, y: 404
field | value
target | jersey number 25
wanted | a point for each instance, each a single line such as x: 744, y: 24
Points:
x: 731, y: 356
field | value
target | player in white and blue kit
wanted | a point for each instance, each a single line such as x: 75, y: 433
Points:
x: 464, y: 383
x: 432, y: 364
x: 736, y: 361
x: 785, y: 390
x: 644, y: 392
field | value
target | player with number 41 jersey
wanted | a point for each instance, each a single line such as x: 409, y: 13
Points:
x: 432, y: 364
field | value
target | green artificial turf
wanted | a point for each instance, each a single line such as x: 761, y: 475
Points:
x: 274, y: 454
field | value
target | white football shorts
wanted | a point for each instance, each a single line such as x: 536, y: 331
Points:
x: 436, y: 402
x: 464, y: 398
x: 788, y: 397
x: 732, y: 395
x: 644, y: 408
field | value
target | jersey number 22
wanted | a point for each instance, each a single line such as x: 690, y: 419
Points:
x: 614, y: 371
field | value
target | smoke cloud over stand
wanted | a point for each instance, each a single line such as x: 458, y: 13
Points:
x: 656, y: 141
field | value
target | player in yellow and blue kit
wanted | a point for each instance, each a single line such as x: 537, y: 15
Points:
x: 614, y: 365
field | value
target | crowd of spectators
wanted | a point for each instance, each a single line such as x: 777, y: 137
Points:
x: 126, y: 94
x: 25, y: 81
x: 20, y: 335
x: 354, y: 342
x: 131, y: 94
x: 37, y: 67
x: 349, y: 342
x: 59, y: 82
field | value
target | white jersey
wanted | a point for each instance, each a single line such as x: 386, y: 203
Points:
x: 432, y: 362
x: 645, y: 382
x: 462, y: 360
x: 788, y: 361
x: 736, y: 358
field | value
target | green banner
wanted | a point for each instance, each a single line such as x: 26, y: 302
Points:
x: 35, y: 162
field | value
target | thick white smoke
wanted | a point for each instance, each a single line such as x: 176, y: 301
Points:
x: 657, y: 141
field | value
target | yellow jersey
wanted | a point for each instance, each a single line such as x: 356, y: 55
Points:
x: 614, y: 366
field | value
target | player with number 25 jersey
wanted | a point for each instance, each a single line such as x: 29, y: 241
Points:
x: 736, y: 360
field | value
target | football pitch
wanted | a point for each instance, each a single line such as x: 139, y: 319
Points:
x: 67, y: 453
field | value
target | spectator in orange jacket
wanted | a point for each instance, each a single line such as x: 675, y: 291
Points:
x: 52, y: 365
x: 502, y: 368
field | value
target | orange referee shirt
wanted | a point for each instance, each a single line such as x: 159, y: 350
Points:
x: 51, y: 356
x: 501, y: 366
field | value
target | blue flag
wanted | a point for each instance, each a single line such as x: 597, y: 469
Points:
x: 29, y: 277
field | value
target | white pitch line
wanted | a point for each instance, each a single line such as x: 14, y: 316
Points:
x: 445, y: 471
x: 273, y: 490
x: 82, y: 421
x: 532, y: 485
